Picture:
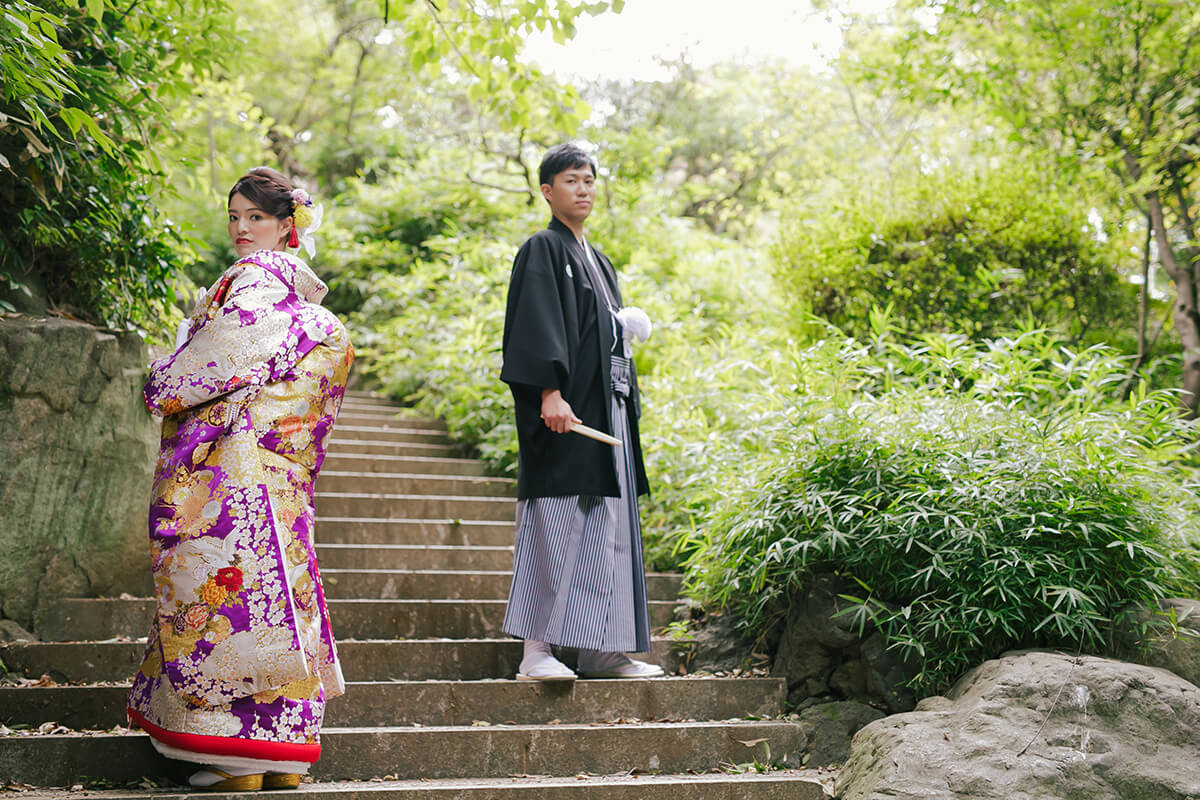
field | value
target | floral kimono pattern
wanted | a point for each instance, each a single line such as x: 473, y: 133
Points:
x: 241, y: 657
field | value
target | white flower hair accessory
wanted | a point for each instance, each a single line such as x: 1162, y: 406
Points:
x: 306, y: 217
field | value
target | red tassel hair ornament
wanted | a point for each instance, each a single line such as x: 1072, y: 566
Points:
x: 293, y: 238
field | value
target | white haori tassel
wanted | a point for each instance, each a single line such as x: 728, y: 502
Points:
x: 636, y: 324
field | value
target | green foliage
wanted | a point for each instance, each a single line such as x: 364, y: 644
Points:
x: 1108, y: 87
x: 953, y: 252
x: 431, y: 336
x: 727, y: 169
x: 79, y: 105
x: 324, y: 105
x: 982, y: 497
x: 346, y: 93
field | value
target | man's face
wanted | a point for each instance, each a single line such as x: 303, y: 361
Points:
x: 571, y: 195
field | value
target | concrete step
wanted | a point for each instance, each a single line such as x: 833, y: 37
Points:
x: 331, y: 480
x: 416, y: 584
x: 414, y: 506
x: 387, y: 703
x: 368, y: 394
x: 399, y: 530
x: 374, y: 401
x: 733, y: 785
x: 366, y: 414
x: 414, y: 465
x: 390, y: 432
x: 362, y: 660
x: 344, y: 446
x: 492, y: 751
x: 413, y: 556
x: 84, y: 619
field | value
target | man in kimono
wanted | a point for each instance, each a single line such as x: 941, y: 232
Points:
x: 578, y: 576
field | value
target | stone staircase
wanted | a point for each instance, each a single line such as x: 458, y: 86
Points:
x: 415, y: 548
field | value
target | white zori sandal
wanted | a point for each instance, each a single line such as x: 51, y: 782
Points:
x: 597, y: 664
x: 226, y: 779
x: 539, y: 664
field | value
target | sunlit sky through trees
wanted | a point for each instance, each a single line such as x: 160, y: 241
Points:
x: 630, y: 45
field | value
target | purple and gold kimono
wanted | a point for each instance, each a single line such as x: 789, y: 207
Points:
x: 241, y: 658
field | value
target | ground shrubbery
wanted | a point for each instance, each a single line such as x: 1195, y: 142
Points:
x: 981, y: 497
x: 961, y: 252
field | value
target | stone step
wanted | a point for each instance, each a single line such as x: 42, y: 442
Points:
x: 414, y: 465
x: 733, y: 785
x: 444, y: 531
x: 365, y: 414
x: 85, y: 619
x: 386, y: 703
x: 331, y: 480
x: 414, y: 506
x: 368, y: 394
x: 362, y: 660
x: 413, y: 556
x: 374, y: 400
x: 344, y: 446
x: 390, y: 432
x: 416, y: 584
x: 493, y: 751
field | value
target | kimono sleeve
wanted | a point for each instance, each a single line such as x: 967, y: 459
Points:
x: 536, y: 345
x: 238, y: 338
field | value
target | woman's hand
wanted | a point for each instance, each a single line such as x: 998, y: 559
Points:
x: 556, y: 412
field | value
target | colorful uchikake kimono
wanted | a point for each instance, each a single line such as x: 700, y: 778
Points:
x: 240, y: 659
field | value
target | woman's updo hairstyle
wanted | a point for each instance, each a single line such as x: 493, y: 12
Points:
x: 267, y: 189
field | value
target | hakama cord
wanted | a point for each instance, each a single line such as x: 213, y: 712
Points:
x: 241, y: 657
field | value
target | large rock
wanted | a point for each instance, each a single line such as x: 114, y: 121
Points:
x: 1173, y: 647
x: 1112, y: 731
x: 77, y: 451
x: 825, y: 655
x: 714, y: 643
x: 830, y: 727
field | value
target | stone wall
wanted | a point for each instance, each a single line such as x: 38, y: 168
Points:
x: 77, y: 451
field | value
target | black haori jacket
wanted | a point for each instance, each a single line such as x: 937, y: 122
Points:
x: 558, y: 334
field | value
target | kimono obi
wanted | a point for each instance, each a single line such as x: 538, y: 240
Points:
x: 622, y: 375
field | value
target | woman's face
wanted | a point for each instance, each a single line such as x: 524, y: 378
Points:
x: 251, y: 228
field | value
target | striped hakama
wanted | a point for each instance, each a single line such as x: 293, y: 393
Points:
x: 578, y: 574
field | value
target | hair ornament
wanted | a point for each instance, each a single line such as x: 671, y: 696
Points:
x: 306, y: 218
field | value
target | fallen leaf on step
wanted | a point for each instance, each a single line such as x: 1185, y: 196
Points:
x: 752, y: 742
x: 45, y: 680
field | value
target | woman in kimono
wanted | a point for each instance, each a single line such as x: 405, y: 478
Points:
x: 240, y: 659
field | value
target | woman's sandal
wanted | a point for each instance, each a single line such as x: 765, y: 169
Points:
x: 232, y: 783
x: 280, y: 780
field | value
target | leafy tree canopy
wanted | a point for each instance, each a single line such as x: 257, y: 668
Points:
x: 1114, y: 85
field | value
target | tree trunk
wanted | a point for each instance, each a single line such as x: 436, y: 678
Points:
x: 1185, y: 312
x: 1182, y: 272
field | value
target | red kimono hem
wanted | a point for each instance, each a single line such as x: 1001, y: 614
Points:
x: 229, y: 746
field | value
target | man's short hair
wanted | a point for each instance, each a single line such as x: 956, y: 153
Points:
x: 563, y: 157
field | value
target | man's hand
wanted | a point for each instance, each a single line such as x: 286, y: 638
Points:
x: 556, y: 412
